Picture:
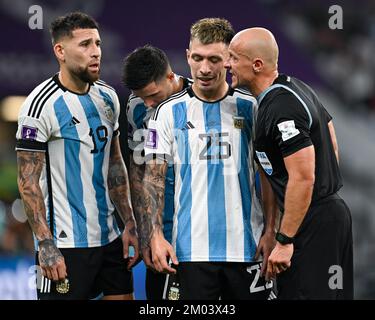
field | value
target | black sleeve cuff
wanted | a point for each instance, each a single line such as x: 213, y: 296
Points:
x: 30, y: 145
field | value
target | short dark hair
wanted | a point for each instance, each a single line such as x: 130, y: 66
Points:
x: 65, y: 25
x: 143, y: 66
x: 212, y: 30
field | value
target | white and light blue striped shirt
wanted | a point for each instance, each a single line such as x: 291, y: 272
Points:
x: 217, y: 215
x: 75, y: 131
x: 138, y: 116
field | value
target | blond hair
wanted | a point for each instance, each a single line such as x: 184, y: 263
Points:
x: 211, y: 30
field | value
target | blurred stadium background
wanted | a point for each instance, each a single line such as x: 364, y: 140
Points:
x: 339, y: 64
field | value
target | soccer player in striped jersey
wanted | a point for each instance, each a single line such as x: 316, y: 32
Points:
x: 207, y: 132
x: 71, y: 174
x: 147, y: 72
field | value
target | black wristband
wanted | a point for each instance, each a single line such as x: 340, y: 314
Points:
x: 284, y: 239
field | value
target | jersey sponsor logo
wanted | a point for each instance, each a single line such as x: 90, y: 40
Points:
x: 264, y: 162
x: 152, y: 139
x: 29, y: 133
x: 238, y: 122
x: 288, y: 130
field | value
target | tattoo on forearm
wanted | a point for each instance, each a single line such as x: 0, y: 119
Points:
x: 49, y: 254
x: 136, y: 175
x: 30, y: 165
x: 118, y: 184
x: 152, y: 201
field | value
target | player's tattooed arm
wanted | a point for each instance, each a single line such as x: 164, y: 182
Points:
x: 30, y: 165
x: 152, y: 201
x: 136, y: 175
x: 119, y: 191
x: 118, y: 185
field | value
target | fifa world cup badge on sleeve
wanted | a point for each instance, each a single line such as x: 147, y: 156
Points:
x: 238, y: 122
x: 62, y: 286
x: 29, y: 133
x: 152, y: 139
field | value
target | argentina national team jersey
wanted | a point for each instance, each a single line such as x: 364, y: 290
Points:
x: 138, y: 116
x: 75, y: 132
x: 217, y: 215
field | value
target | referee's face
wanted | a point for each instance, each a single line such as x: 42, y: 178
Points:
x: 239, y: 66
x: 82, y: 54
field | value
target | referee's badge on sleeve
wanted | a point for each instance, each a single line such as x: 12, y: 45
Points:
x: 264, y: 162
x: 287, y: 129
x: 152, y: 139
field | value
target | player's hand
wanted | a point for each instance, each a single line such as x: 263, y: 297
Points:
x: 130, y: 238
x: 161, y: 250
x: 266, y: 244
x: 147, y: 259
x: 279, y: 260
x: 51, y: 260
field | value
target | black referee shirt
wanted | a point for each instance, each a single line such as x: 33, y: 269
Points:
x: 290, y: 118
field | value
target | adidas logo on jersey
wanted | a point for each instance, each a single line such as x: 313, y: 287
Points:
x: 189, y: 125
x: 62, y: 234
x: 74, y: 121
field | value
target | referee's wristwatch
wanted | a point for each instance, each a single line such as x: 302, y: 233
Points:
x: 284, y: 239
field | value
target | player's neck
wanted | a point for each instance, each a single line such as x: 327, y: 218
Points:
x: 212, y: 95
x: 73, y: 83
x: 178, y: 85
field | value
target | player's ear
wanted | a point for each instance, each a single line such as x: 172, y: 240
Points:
x: 187, y: 54
x: 58, y: 48
x: 170, y: 76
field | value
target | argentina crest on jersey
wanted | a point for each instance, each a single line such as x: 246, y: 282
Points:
x: 264, y: 162
x: 238, y: 122
x: 108, y: 113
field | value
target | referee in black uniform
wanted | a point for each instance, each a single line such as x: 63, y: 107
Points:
x: 296, y: 146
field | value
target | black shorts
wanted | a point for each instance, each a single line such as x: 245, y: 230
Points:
x: 91, y: 272
x: 322, y: 263
x: 217, y: 280
x: 155, y: 283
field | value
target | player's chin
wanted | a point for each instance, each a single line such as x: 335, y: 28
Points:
x: 94, y: 76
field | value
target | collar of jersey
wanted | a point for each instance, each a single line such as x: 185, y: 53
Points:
x: 61, y: 86
x: 191, y: 93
